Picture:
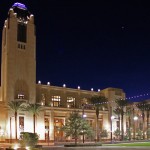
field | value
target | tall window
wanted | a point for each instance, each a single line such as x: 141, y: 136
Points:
x: 56, y: 101
x: 21, y: 124
x: 22, y: 33
x: 70, y: 102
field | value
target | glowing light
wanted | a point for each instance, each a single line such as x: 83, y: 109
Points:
x: 78, y: 87
x: 112, y: 117
x: 135, y: 118
x: 64, y: 85
x: 84, y: 115
x: 92, y: 89
x: 19, y: 5
x: 27, y: 147
x: 39, y: 82
x: 99, y: 90
x: 16, y: 146
x: 48, y: 83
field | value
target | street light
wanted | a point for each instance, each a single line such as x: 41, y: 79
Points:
x: 10, y: 129
x: 83, y: 116
x: 112, y: 117
x: 135, y: 119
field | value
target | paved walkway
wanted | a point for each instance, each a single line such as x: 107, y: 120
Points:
x: 60, y: 146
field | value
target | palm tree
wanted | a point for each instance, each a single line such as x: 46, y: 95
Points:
x: 99, y: 102
x: 142, y: 106
x: 128, y: 113
x: 34, y: 109
x: 121, y: 103
x: 15, y: 106
x: 147, y: 110
x: 117, y: 111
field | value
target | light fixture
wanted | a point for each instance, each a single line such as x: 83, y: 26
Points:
x: 112, y: 117
x: 91, y: 89
x: 99, y: 90
x: 84, y: 115
x: 135, y: 118
x: 39, y: 82
x: 64, y: 85
x: 79, y: 87
x: 48, y: 83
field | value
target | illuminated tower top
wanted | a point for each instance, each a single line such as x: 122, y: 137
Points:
x: 22, y: 12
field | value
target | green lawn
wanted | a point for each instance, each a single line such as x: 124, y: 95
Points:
x: 130, y: 144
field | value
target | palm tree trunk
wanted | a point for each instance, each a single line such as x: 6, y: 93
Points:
x: 122, y: 132
x: 97, y: 127
x: 147, y: 124
x: 143, y: 117
x: 119, y: 125
x: 129, y: 128
x: 16, y: 124
x: 75, y: 137
x: 34, y: 122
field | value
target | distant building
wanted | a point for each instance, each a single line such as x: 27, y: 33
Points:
x: 18, y: 82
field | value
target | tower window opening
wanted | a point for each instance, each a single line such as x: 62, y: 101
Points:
x: 22, y: 32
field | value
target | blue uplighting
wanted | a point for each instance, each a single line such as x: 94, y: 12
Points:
x: 19, y: 5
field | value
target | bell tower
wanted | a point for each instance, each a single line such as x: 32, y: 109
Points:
x: 18, y: 67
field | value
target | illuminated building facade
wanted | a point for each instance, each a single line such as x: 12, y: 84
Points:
x: 18, y: 82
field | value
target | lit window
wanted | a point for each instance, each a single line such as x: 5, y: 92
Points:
x: 20, y: 96
x: 56, y: 101
x: 70, y: 101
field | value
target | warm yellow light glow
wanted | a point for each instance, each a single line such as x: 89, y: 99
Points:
x: 135, y: 118
x: 16, y: 146
x: 27, y: 147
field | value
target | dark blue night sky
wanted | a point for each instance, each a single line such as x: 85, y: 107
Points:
x: 91, y: 44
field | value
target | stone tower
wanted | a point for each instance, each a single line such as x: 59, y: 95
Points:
x: 18, y: 67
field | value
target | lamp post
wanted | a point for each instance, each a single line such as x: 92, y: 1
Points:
x: 83, y: 116
x: 112, y: 117
x: 135, y: 119
x: 11, y: 129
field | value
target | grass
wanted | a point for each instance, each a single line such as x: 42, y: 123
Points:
x: 130, y: 144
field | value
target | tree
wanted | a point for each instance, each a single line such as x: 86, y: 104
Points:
x: 117, y: 111
x: 76, y: 125
x: 122, y: 103
x: 34, y: 109
x: 104, y: 133
x: 28, y: 139
x: 129, y: 111
x: 142, y: 106
x: 100, y: 103
x: 15, y: 106
x: 147, y: 112
x: 117, y: 133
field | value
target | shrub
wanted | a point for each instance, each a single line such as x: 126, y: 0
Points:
x: 28, y: 139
